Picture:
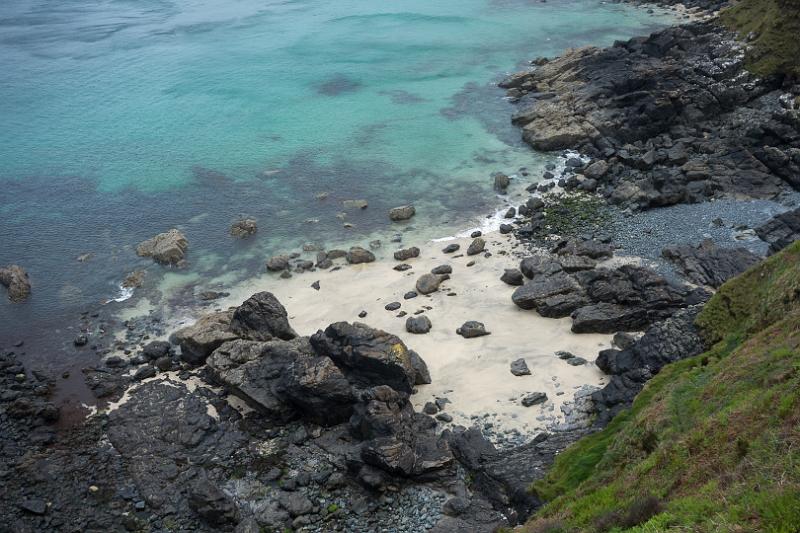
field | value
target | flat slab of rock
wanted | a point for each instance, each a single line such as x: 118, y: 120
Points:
x: 15, y: 279
x: 472, y: 329
x: 520, y: 368
x: 167, y: 248
x: 708, y: 264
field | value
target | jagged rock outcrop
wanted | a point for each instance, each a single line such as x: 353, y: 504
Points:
x: 599, y: 300
x: 665, y: 342
x: 670, y: 118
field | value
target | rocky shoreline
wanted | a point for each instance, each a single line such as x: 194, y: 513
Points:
x: 239, y: 422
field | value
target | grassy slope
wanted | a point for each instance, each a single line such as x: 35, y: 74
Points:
x: 776, y: 26
x: 713, y: 442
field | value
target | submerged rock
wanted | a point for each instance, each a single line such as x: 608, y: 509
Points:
x: 244, y: 228
x: 403, y: 212
x: 167, y: 248
x: 15, y: 279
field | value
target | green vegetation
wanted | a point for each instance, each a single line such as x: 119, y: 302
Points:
x: 771, y: 28
x: 712, y: 444
x: 573, y: 213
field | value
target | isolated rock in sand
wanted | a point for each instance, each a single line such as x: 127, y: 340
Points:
x: 204, y: 336
x: 512, y: 276
x: 406, y: 253
x: 428, y: 283
x: 166, y: 248
x: 472, y: 329
x: 404, y: 212
x: 442, y: 269
x: 476, y: 246
x: 357, y: 255
x: 534, y: 398
x: 450, y: 248
x: 520, y: 368
x: 418, y: 324
x: 261, y: 318
x: 15, y: 279
x: 244, y: 228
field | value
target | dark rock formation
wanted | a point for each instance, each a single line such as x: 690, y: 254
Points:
x: 428, y: 283
x: 665, y: 342
x: 241, y: 229
x: 781, y: 230
x: 708, y: 264
x: 261, y: 318
x: 357, y: 255
x: 669, y: 118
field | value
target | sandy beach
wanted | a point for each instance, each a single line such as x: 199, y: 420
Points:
x: 472, y: 373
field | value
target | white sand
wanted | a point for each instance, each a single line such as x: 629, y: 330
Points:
x: 472, y: 373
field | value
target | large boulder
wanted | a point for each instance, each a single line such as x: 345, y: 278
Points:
x: 167, y: 248
x: 357, y: 255
x: 261, y: 318
x: 319, y: 390
x: 254, y: 371
x: 708, y: 264
x: 213, y: 505
x: 15, y: 279
x: 607, y: 317
x: 369, y: 357
x: 204, y: 336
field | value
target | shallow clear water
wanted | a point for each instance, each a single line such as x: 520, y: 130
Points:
x: 124, y: 118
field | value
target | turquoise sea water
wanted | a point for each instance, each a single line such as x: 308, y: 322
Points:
x: 123, y: 118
